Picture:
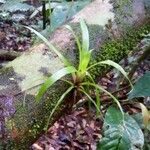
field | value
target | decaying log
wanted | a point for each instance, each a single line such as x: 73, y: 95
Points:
x: 24, y: 118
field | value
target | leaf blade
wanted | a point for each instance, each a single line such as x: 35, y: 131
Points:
x: 141, y: 87
x: 58, y: 103
x: 115, y: 65
x: 51, y: 47
x: 119, y: 133
x: 52, y: 79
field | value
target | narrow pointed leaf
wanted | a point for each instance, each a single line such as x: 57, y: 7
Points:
x: 89, y: 97
x: 105, y: 91
x: 85, y: 35
x: 51, y: 47
x: 115, y: 65
x: 58, y: 103
x: 52, y: 79
x: 97, y: 92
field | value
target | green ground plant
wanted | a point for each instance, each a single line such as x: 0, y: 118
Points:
x: 121, y: 130
x: 81, y: 80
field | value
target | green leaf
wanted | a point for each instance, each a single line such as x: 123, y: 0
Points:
x: 85, y: 35
x: 52, y: 79
x: 139, y: 119
x: 97, y: 92
x: 141, y: 87
x: 89, y: 97
x: 119, y: 133
x: 85, y: 59
x: 115, y: 65
x: 58, y: 103
x: 97, y: 87
x: 51, y: 47
x: 85, y: 53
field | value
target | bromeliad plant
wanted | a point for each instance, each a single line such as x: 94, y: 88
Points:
x: 81, y: 77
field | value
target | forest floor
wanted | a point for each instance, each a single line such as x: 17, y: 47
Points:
x: 14, y: 36
x: 81, y: 129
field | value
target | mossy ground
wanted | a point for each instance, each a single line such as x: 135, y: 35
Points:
x: 116, y: 49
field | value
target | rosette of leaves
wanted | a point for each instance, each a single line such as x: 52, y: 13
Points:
x: 82, y: 80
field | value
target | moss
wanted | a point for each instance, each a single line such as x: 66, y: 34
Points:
x: 6, y: 70
x: 107, y: 47
x: 117, y: 49
x: 35, y: 124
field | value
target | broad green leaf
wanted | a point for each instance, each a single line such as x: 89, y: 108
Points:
x: 115, y: 65
x: 141, y: 87
x: 58, y: 103
x: 139, y: 119
x: 52, y: 79
x: 119, y: 133
x: 51, y: 47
